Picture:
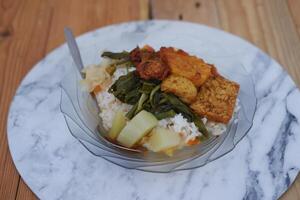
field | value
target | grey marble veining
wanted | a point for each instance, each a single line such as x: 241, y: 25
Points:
x: 56, y: 166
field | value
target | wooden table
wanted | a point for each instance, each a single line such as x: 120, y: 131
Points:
x: 30, y: 29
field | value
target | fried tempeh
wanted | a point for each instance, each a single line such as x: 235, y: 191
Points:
x: 216, y: 99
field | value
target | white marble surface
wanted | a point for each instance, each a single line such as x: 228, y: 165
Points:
x: 55, y: 166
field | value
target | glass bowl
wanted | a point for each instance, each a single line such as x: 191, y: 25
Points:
x: 80, y: 111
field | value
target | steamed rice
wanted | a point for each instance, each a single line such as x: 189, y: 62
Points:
x: 109, y: 104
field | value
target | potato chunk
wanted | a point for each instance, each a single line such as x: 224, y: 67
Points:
x: 163, y: 139
x: 182, y: 64
x: 137, y: 128
x: 216, y: 99
x: 181, y: 87
x: 118, y: 124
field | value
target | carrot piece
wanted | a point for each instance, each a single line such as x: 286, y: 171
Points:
x: 193, y: 141
x: 97, y: 89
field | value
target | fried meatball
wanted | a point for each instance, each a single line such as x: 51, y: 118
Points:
x: 135, y: 56
x: 152, y: 68
x: 138, y: 55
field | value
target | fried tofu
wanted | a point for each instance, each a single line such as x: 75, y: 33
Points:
x: 181, y: 87
x: 182, y: 64
x: 216, y: 99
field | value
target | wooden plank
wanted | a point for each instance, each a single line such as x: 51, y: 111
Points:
x: 9, y: 176
x: 93, y: 14
x: 291, y: 194
x: 294, y: 7
x: 24, y: 192
x: 144, y: 9
x: 287, y: 40
x: 268, y: 33
x: 296, y: 185
x: 232, y: 18
x: 7, y: 13
x: 250, y: 17
x: 201, y: 11
x: 268, y: 25
x: 24, y: 46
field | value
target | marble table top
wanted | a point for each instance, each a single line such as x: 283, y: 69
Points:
x: 56, y: 166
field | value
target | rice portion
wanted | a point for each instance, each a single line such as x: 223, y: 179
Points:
x: 215, y: 128
x: 109, y: 104
x: 179, y: 124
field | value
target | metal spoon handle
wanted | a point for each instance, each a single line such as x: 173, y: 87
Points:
x: 75, y: 53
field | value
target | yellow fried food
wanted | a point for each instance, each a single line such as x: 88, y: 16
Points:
x: 181, y: 87
x: 190, y: 67
x: 216, y: 99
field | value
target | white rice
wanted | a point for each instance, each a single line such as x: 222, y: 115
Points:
x: 216, y: 128
x: 109, y: 104
x: 179, y: 124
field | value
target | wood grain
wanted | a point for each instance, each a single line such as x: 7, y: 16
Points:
x: 271, y: 29
x: 201, y: 11
x: 291, y: 194
x: 30, y: 29
x: 21, y: 52
x: 287, y: 40
x: 93, y: 14
x: 24, y: 193
x: 294, y: 7
x: 233, y: 18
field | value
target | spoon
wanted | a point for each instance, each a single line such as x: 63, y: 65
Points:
x: 73, y: 47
